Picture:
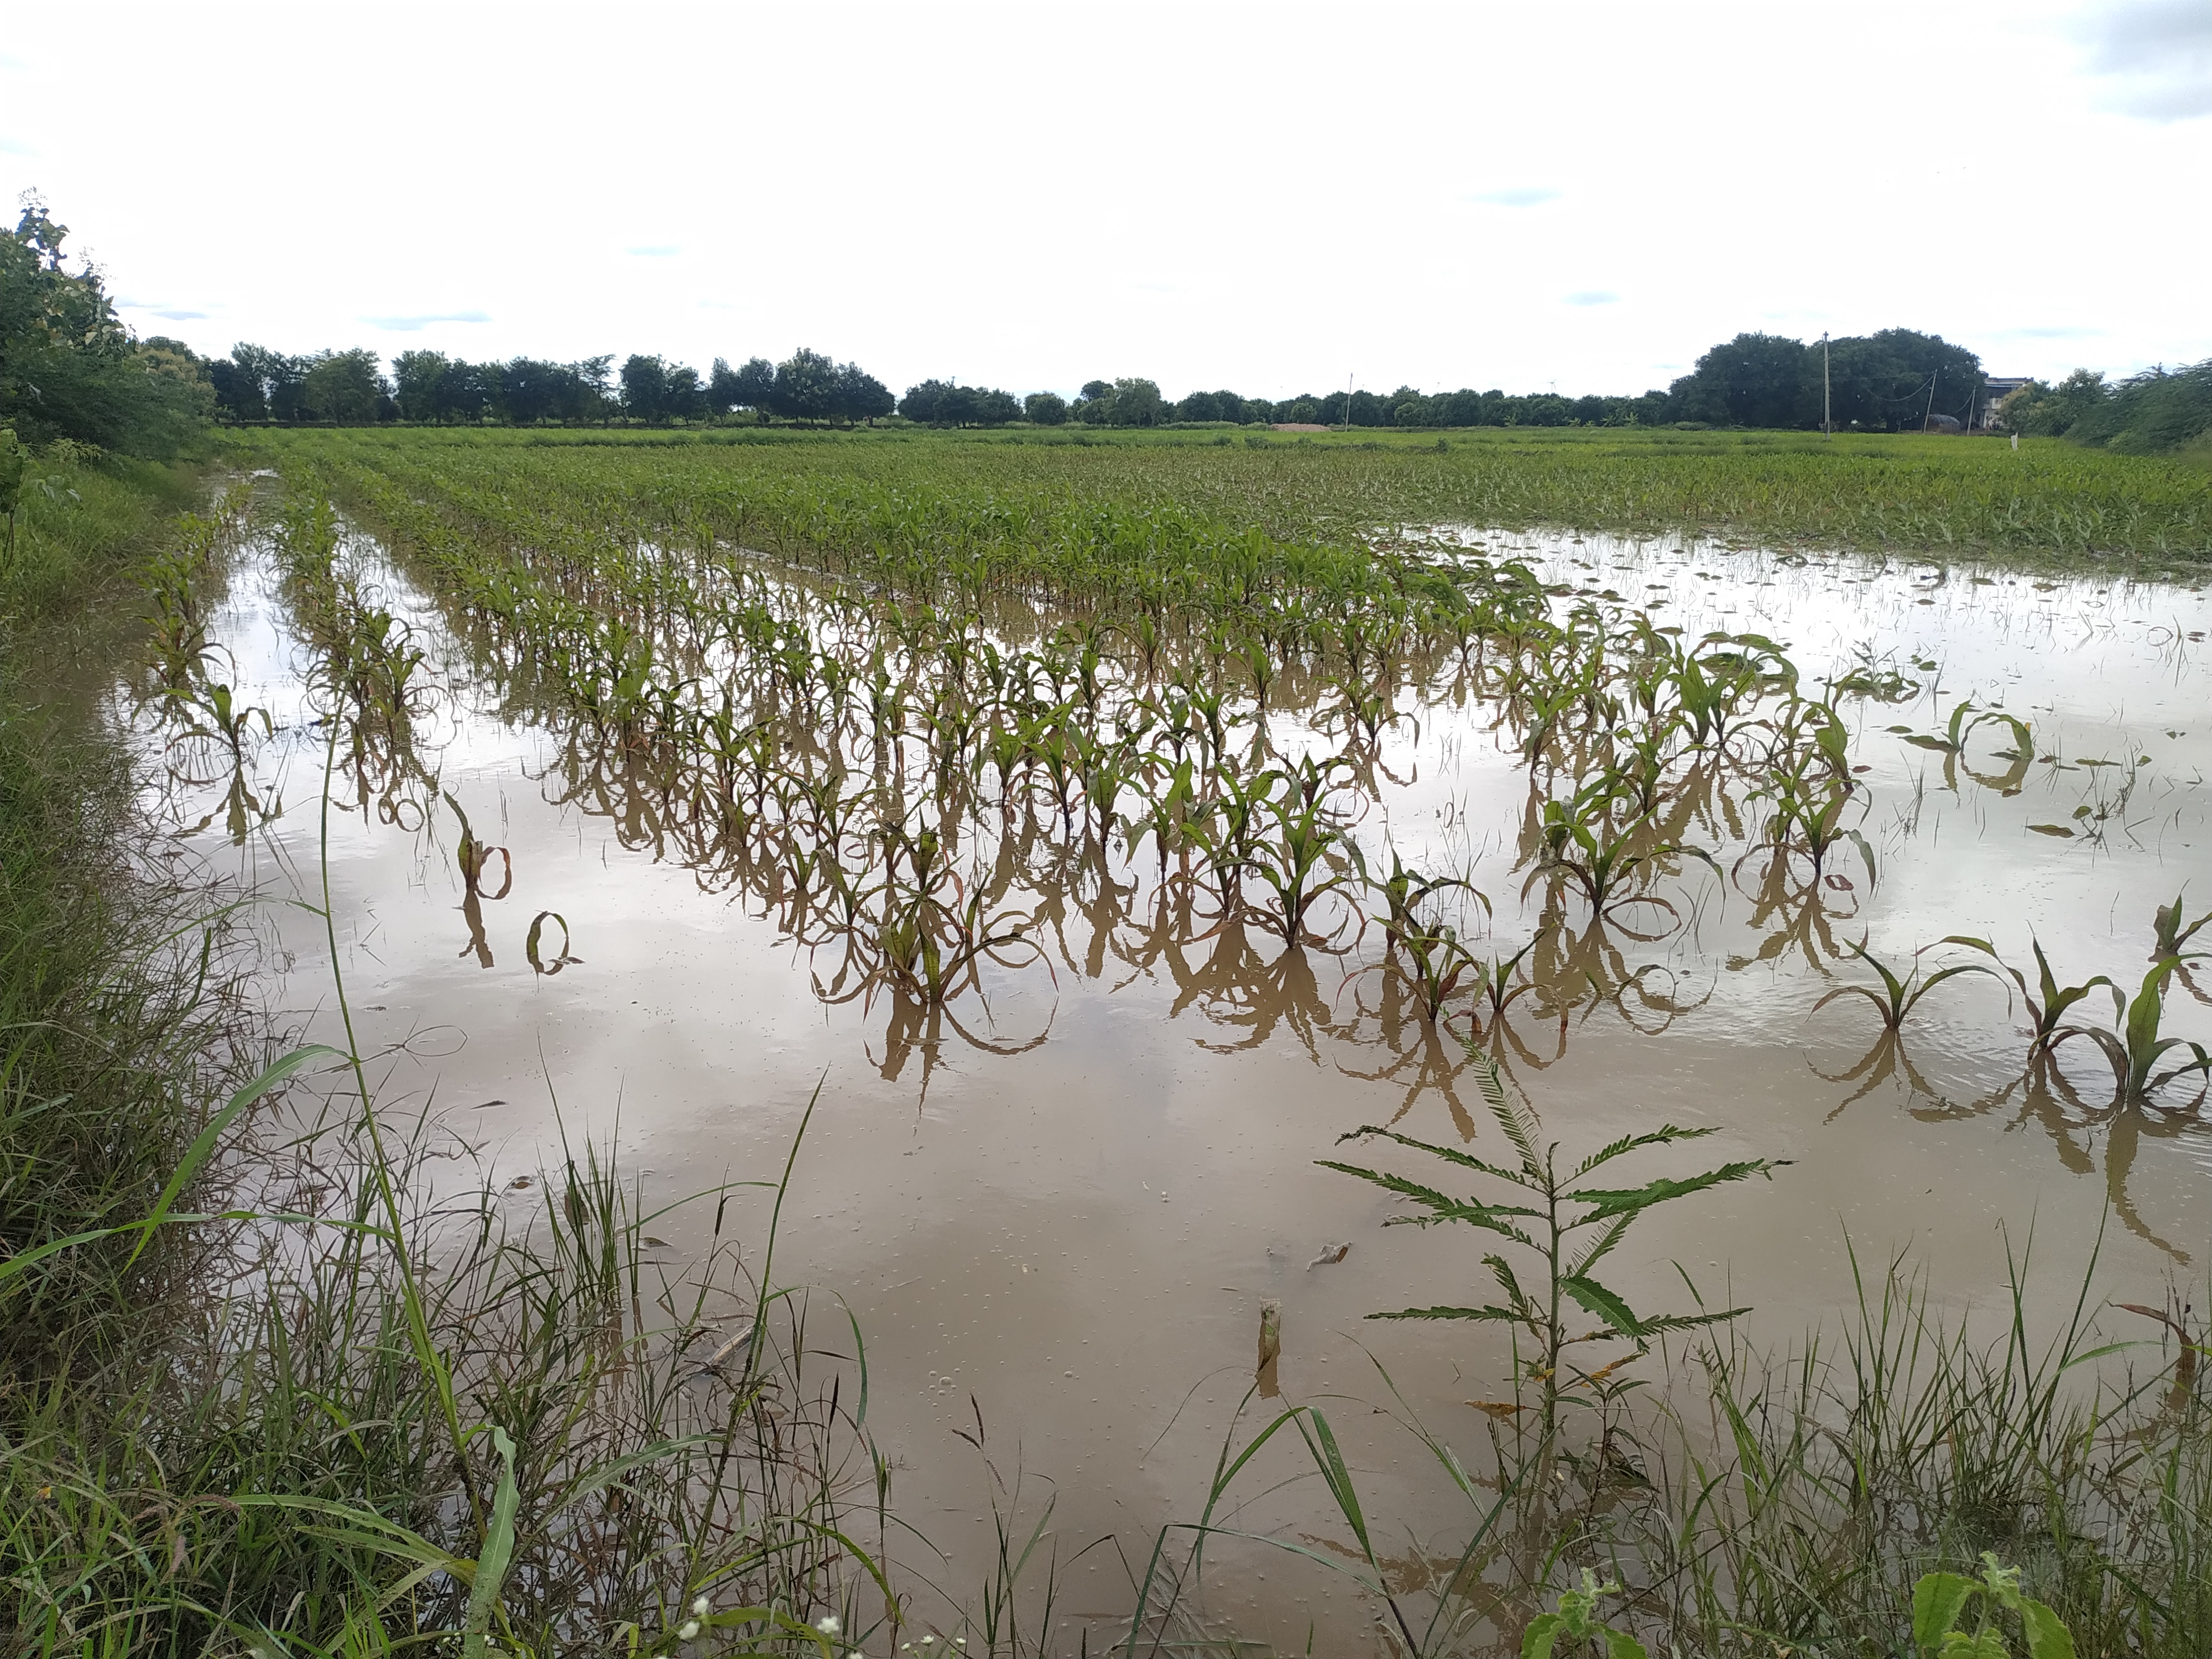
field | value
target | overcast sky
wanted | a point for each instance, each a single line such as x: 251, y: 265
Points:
x: 1269, y: 197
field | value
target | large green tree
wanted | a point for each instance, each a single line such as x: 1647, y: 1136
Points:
x: 645, y: 387
x: 343, y: 387
x: 1892, y: 380
x: 68, y: 366
x: 806, y: 387
x: 1754, y: 380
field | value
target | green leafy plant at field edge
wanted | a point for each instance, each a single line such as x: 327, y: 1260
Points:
x: 1575, y: 1623
x: 1939, y: 1600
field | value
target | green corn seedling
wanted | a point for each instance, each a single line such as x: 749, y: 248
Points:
x: 1898, y: 997
x: 2049, y: 1000
x: 2136, y: 1048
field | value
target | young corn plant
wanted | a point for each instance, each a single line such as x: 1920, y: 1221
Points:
x: 1403, y: 892
x: 1899, y: 996
x: 1569, y: 1224
x: 1298, y: 860
x: 1951, y: 743
x: 2172, y: 938
x: 1808, y: 816
x: 1498, y: 984
x: 1435, y: 962
x: 2136, y: 1048
x: 935, y: 934
x: 213, y: 711
x: 1584, y: 845
x: 2048, y: 1002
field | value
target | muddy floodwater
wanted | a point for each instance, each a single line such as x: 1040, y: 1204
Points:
x: 1058, y: 1208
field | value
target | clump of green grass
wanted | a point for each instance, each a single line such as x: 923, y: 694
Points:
x: 111, y: 1021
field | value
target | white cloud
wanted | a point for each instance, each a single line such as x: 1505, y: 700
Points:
x: 2152, y: 59
x: 1592, y: 296
x: 1520, y: 195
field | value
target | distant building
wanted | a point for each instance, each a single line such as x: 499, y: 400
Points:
x: 1994, y: 391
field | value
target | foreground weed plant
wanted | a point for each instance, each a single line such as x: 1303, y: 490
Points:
x: 1570, y: 1224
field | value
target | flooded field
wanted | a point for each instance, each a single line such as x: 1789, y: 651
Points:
x: 1084, y: 943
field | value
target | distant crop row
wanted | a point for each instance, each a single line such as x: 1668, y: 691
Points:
x: 1933, y: 496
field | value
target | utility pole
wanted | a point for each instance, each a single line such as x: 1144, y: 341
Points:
x: 1935, y: 374
x: 1828, y: 405
x: 1347, y: 405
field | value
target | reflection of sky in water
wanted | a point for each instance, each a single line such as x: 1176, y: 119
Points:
x: 1081, y: 1231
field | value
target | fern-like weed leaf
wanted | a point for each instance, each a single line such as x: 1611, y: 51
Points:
x: 1607, y: 1202
x: 1666, y: 1134
x: 1450, y: 1154
x: 1443, y: 1206
x: 1606, y: 1304
x: 1494, y: 1315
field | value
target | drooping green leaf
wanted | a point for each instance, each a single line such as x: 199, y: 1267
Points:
x: 1536, y: 1641
x: 1938, y: 1600
x: 2047, y: 1635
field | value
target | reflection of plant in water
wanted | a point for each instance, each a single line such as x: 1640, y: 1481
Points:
x: 473, y: 858
x: 1889, y: 1058
x: 1802, y: 911
x: 1570, y: 1226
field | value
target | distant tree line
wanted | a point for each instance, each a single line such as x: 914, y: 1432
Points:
x: 2159, y: 410
x: 1889, y: 381
x: 1139, y: 402
x: 255, y: 385
x: 68, y: 368
x: 1885, y: 382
